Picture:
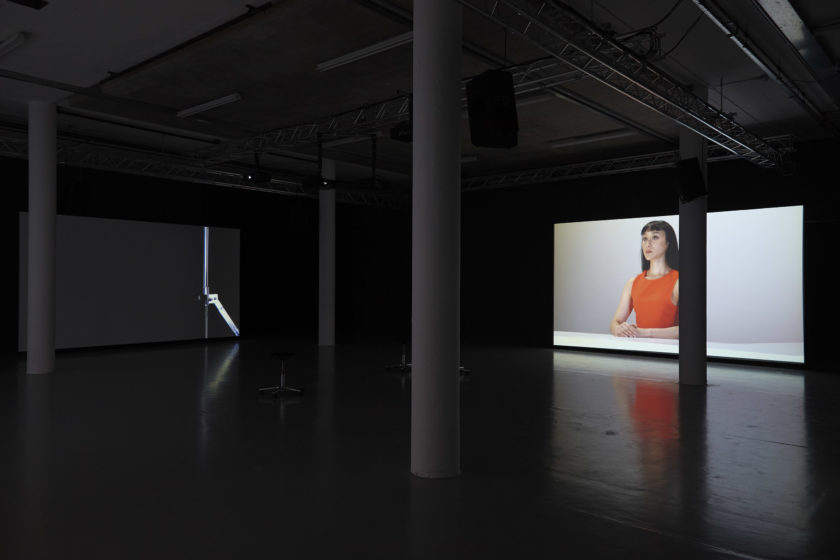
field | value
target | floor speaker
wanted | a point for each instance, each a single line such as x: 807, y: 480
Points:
x: 492, y: 110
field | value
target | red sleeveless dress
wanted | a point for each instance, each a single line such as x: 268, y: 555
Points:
x: 652, y: 301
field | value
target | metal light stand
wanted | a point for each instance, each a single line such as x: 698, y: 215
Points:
x: 212, y: 299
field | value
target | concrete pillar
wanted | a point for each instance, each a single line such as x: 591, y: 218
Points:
x: 436, y: 240
x: 326, y: 258
x: 693, y: 269
x: 40, y: 322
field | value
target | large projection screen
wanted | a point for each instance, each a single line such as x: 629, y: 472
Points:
x: 754, y: 283
x: 129, y: 282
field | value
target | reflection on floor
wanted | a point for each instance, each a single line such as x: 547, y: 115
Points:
x: 170, y: 452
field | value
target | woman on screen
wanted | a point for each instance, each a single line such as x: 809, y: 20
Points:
x: 655, y: 293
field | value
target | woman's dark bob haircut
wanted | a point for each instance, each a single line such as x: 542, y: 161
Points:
x: 672, y: 254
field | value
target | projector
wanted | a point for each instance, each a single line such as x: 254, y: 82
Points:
x: 401, y: 132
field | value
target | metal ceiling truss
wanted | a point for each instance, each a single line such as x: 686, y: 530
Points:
x: 614, y: 166
x: 573, y: 171
x: 548, y: 75
x: 572, y: 39
x: 88, y: 156
x: 552, y: 69
x: 536, y: 76
x: 357, y: 122
x: 159, y: 166
x: 541, y: 75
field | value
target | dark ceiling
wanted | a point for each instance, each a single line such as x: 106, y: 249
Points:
x: 610, y: 82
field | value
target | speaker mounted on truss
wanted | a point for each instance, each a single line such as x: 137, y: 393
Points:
x: 690, y: 181
x: 491, y: 106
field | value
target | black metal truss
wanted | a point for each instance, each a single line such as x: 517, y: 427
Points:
x: 548, y: 75
x: 614, y: 166
x: 572, y: 171
x: 536, y: 76
x: 572, y: 39
x: 113, y: 159
x: 357, y: 122
x: 164, y: 166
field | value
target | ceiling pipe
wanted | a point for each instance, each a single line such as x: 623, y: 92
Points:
x: 718, y: 16
x: 785, y: 18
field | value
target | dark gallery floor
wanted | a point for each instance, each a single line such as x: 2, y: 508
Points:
x: 170, y: 452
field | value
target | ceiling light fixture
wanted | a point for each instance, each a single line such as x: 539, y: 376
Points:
x: 11, y: 42
x: 349, y: 140
x: 365, y: 52
x: 577, y: 140
x: 209, y: 105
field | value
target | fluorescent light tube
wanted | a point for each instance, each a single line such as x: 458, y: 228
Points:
x: 11, y: 42
x: 612, y: 135
x: 209, y: 105
x: 365, y: 52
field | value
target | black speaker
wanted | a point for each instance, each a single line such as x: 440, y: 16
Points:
x: 690, y: 181
x: 492, y: 110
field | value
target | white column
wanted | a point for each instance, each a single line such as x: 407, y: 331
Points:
x: 693, y: 271
x: 40, y: 322
x: 436, y: 240
x: 326, y: 258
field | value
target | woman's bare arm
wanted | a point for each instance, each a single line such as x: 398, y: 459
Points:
x: 619, y: 325
x: 667, y: 332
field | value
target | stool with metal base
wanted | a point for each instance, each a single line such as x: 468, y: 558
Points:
x: 405, y: 366
x: 282, y: 388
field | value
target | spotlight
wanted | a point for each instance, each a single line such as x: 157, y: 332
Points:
x: 257, y: 176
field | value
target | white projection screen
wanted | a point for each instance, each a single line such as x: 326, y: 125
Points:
x: 129, y: 282
x: 754, y: 283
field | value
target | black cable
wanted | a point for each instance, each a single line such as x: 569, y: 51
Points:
x: 651, y: 32
x: 666, y: 16
x: 651, y: 28
x: 687, y: 31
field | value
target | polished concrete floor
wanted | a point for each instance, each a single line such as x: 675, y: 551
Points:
x: 170, y: 452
